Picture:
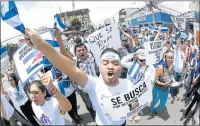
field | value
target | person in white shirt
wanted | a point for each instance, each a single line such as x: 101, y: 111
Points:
x: 179, y: 64
x: 107, y: 85
x: 136, y: 70
x: 46, y: 108
x: 9, y: 113
x: 19, y: 98
x: 86, y: 62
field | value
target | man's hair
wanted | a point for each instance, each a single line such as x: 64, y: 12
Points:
x: 79, y: 45
x: 109, y: 50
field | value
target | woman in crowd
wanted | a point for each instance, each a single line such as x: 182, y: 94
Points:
x: 164, y: 80
x: 19, y: 98
x: 47, y: 108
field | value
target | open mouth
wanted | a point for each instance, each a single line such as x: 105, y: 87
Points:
x: 110, y: 74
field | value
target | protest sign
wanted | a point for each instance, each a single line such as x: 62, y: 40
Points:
x: 107, y: 37
x: 179, y: 22
x: 153, y: 52
x: 123, y: 106
x: 5, y: 63
x: 29, y: 61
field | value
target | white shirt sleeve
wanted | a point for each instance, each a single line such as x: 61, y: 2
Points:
x: 125, y: 62
x: 90, y: 84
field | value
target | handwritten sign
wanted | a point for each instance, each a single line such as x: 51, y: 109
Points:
x: 179, y: 22
x: 5, y: 63
x: 107, y: 37
x: 153, y: 52
x: 123, y: 106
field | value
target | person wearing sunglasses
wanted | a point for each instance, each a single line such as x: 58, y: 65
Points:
x: 137, y: 68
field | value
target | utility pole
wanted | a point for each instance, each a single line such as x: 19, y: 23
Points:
x: 150, y: 7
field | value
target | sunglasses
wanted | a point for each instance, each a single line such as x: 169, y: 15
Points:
x: 142, y: 60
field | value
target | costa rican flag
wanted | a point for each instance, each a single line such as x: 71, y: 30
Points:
x: 10, y: 15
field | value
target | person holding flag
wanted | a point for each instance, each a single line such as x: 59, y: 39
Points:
x: 108, y: 84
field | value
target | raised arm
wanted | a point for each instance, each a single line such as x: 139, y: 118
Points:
x: 126, y: 60
x: 57, y: 59
x: 57, y: 35
x: 63, y: 102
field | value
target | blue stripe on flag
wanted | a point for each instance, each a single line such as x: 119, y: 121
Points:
x: 136, y: 73
x: 59, y: 23
x: 3, y: 50
x: 20, y: 28
x: 29, y: 69
x: 132, y: 67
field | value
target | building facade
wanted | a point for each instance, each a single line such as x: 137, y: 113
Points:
x: 82, y: 15
x: 125, y: 16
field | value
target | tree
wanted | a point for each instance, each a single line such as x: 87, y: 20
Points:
x: 75, y: 24
x: 11, y: 48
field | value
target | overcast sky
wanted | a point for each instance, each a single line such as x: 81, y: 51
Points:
x: 35, y: 14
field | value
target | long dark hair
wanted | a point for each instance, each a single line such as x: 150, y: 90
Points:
x: 13, y: 75
x: 42, y: 88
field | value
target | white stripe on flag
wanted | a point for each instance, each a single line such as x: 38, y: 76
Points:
x: 14, y: 21
x: 135, y: 70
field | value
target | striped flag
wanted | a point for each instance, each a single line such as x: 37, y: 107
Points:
x: 134, y: 70
x: 58, y: 23
x: 163, y: 28
x: 10, y: 15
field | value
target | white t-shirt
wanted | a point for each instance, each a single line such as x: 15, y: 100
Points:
x: 68, y: 91
x: 7, y: 106
x: 179, y: 60
x: 98, y: 90
x: 18, y: 98
x: 49, y: 113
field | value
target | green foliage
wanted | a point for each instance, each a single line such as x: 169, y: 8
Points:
x: 11, y: 48
x: 75, y: 24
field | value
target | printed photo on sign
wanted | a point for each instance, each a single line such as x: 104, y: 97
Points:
x: 107, y: 37
x: 123, y: 106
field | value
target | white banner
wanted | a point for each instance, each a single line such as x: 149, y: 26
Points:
x: 107, y: 37
x: 5, y: 63
x: 153, y: 52
x: 29, y: 61
x: 179, y: 22
x: 123, y: 106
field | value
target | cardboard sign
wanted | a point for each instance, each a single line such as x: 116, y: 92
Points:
x: 179, y: 22
x: 107, y: 37
x: 123, y: 106
x: 153, y: 52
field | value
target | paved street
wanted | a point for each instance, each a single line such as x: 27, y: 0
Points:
x: 169, y: 116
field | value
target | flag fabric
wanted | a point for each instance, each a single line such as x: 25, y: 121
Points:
x: 10, y: 15
x: 163, y: 28
x: 134, y: 70
x: 58, y: 23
